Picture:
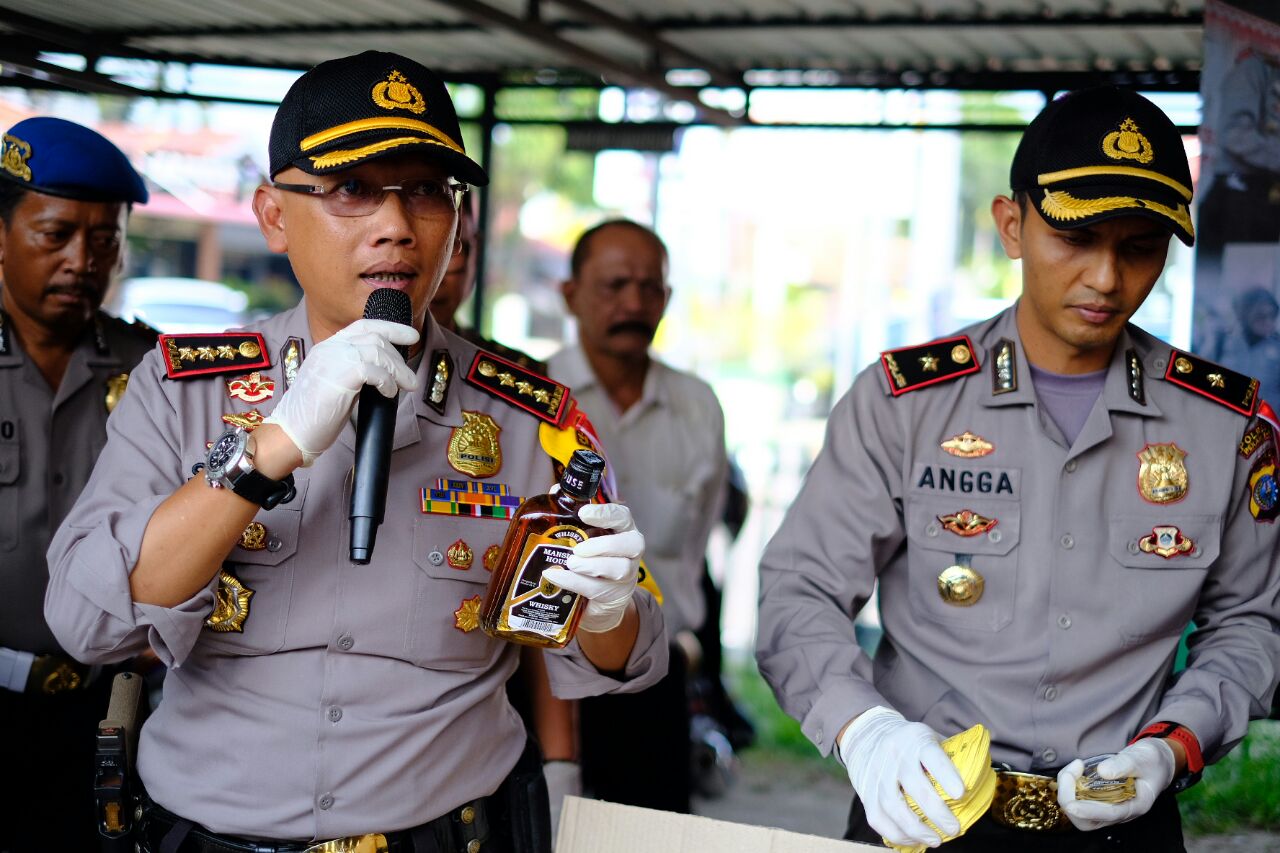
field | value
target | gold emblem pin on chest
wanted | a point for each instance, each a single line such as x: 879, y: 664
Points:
x: 960, y: 585
x: 967, y: 445
x: 473, y: 447
x: 1162, y: 474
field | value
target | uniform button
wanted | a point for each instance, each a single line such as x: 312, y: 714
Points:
x: 473, y: 846
x: 1049, y: 756
x: 1070, y: 466
x: 326, y: 801
x: 818, y: 735
x: 1133, y: 546
x: 436, y: 558
x: 345, y: 642
x: 467, y: 815
x: 1159, y: 363
x: 1050, y: 693
x: 931, y: 529
x: 274, y: 544
x: 335, y: 714
x: 1067, y: 541
x: 1064, y: 621
x: 995, y: 536
x: 1196, y: 552
x: 59, y: 479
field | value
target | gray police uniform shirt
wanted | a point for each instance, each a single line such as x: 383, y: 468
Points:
x: 670, y: 465
x: 49, y: 441
x: 1070, y: 649
x: 356, y: 698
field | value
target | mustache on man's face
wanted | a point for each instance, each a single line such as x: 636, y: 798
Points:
x: 638, y: 327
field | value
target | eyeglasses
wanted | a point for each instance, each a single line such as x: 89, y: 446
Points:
x: 428, y: 197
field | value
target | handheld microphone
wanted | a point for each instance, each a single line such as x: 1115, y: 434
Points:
x: 375, y: 430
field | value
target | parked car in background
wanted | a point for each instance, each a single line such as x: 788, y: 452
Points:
x: 179, y: 305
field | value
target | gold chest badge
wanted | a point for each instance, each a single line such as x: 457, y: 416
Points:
x: 115, y: 390
x: 1162, y: 476
x: 474, y: 448
x: 231, y: 604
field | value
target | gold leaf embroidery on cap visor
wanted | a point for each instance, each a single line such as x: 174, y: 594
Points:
x: 351, y: 155
x: 1064, y: 207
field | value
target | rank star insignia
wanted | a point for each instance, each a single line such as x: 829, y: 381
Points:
x: 460, y: 556
x: 474, y: 448
x: 967, y: 523
x: 929, y: 363
x: 491, y: 555
x: 249, y: 421
x: 1166, y: 541
x: 467, y: 617
x: 1162, y: 476
x: 1264, y: 494
x: 252, y: 388
x: 231, y: 605
x: 967, y: 445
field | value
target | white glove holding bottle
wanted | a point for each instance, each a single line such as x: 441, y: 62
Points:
x: 603, y: 569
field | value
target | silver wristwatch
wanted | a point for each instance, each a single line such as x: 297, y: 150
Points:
x: 229, y: 465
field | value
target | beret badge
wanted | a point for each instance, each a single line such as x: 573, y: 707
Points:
x: 397, y: 93
x: 14, y: 159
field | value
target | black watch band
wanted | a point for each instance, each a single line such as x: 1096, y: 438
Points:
x: 264, y: 491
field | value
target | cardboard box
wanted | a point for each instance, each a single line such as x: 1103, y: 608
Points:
x: 592, y: 826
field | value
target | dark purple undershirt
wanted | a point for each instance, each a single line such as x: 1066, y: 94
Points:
x: 1068, y: 399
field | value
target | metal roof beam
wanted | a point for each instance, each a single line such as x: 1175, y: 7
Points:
x: 1048, y: 20
x: 547, y: 37
x: 646, y: 36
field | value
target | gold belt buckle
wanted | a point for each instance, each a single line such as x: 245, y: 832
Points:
x: 1028, y: 801
x: 373, y: 842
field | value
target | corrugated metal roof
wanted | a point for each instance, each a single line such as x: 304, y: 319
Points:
x: 950, y: 43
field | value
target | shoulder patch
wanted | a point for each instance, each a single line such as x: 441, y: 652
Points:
x: 534, y: 393
x: 911, y: 368
x: 1225, y: 387
x: 202, y: 354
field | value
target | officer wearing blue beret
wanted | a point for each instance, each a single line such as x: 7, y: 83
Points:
x: 65, y: 197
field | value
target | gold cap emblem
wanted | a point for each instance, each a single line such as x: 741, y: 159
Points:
x: 960, y: 585
x: 15, y: 157
x: 397, y: 93
x: 1128, y: 144
x: 1162, y: 476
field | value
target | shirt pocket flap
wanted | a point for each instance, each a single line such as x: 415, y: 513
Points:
x: 276, y: 538
x: 987, y: 528
x: 1180, y: 542
x: 440, y: 552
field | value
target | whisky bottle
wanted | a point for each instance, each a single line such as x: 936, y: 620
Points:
x: 520, y: 605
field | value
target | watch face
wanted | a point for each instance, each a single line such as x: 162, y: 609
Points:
x: 222, y: 452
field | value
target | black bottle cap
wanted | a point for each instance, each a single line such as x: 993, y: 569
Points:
x: 581, y: 477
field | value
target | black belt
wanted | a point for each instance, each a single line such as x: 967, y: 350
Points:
x: 466, y: 829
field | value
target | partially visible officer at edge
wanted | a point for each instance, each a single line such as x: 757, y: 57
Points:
x: 311, y: 703
x: 65, y: 197
x: 1046, y: 499
x: 552, y: 720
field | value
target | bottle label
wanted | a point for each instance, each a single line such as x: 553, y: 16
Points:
x: 534, y: 604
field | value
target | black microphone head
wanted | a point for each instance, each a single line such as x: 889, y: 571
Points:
x: 387, y: 303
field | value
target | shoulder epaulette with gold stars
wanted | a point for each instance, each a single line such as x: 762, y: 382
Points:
x: 541, y: 397
x: 1226, y: 387
x: 201, y: 354
x: 911, y: 368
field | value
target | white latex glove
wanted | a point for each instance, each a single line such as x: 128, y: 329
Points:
x: 886, y: 755
x: 603, y: 569
x: 1150, y: 762
x: 318, y: 403
x: 564, y: 779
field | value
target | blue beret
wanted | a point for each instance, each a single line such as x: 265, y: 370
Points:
x: 62, y: 158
